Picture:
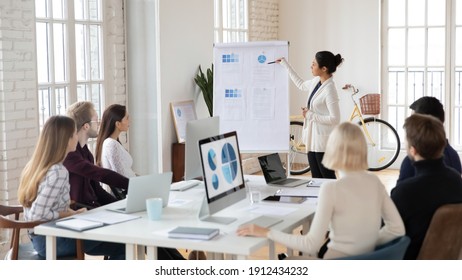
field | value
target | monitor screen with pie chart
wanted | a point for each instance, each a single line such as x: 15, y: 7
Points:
x: 222, y: 171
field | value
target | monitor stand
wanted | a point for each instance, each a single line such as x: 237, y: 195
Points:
x: 204, y: 215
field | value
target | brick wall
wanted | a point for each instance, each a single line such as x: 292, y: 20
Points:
x: 18, y: 86
x: 263, y: 20
x: 18, y: 95
x: 18, y: 90
x: 115, y: 58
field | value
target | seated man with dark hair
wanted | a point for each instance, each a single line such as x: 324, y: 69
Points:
x: 434, y: 183
x: 428, y: 105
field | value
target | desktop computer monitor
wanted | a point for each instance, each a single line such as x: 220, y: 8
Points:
x: 195, y: 131
x: 223, y: 176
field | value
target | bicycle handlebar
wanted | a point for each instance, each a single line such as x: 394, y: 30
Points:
x: 353, y: 89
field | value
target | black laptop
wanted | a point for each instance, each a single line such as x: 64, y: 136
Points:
x: 275, y: 174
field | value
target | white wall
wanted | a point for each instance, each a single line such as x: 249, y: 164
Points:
x: 351, y: 28
x: 186, y: 41
x: 340, y: 27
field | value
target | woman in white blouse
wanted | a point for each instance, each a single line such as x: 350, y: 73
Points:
x: 110, y: 153
x: 322, y: 112
x: 351, y: 208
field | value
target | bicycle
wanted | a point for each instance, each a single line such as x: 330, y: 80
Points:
x: 383, y: 143
x: 298, y: 156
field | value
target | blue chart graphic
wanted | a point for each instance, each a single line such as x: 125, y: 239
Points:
x: 262, y: 58
x: 229, y: 160
x: 178, y: 112
x: 212, y: 158
x: 215, y: 181
x: 233, y: 93
x: 230, y: 58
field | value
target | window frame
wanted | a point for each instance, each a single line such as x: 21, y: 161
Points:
x: 449, y: 68
x: 220, y: 30
x: 71, y: 83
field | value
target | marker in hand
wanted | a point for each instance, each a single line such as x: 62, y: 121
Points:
x: 276, y: 61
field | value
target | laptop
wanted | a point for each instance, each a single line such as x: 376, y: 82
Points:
x: 275, y: 174
x: 141, y: 188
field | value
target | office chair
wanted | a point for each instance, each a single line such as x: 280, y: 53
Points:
x: 443, y: 240
x: 392, y: 250
x: 20, y: 251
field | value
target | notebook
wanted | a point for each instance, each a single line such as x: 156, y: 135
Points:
x: 194, y: 233
x: 275, y: 174
x: 141, y: 188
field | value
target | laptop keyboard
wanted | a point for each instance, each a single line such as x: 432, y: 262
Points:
x: 286, y: 181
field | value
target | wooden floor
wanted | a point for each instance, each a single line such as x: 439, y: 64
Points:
x: 388, y: 178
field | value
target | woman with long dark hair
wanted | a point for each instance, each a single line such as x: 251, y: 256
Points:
x: 110, y: 153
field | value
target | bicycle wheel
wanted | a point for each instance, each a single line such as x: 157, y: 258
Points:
x: 298, y: 157
x: 386, y: 144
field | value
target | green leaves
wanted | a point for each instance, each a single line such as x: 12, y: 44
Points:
x: 205, y: 83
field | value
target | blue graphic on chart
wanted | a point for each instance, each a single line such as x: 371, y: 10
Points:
x: 261, y: 58
x: 212, y: 161
x: 262, y: 73
x: 212, y: 158
x: 234, y: 103
x: 230, y: 58
x: 229, y: 161
x: 215, y: 181
x: 233, y: 93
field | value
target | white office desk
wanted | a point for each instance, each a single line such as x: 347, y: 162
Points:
x: 142, y: 232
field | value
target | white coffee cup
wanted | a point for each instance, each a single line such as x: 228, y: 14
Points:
x: 154, y: 208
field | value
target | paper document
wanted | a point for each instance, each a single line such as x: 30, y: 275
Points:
x: 302, y: 191
x: 107, y: 217
x: 78, y: 224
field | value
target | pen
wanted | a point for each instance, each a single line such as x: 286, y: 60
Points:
x: 271, y: 62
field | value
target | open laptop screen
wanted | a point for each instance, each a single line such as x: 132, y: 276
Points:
x: 272, y: 168
x: 221, y: 165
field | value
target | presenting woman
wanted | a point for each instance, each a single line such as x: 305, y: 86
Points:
x: 322, y: 111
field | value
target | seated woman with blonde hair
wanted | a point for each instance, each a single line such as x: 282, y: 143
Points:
x: 44, y: 189
x: 351, y: 208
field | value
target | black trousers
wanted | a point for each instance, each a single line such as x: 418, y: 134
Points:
x: 317, y: 169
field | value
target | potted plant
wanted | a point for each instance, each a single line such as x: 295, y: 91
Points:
x: 205, y: 83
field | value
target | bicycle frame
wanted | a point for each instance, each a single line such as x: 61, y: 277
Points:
x: 357, y: 114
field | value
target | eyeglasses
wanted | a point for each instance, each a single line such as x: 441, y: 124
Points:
x: 98, y: 122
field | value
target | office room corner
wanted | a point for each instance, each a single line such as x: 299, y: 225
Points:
x: 297, y: 70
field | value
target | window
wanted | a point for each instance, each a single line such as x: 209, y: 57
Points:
x: 69, y: 54
x: 231, y: 21
x: 422, y: 56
